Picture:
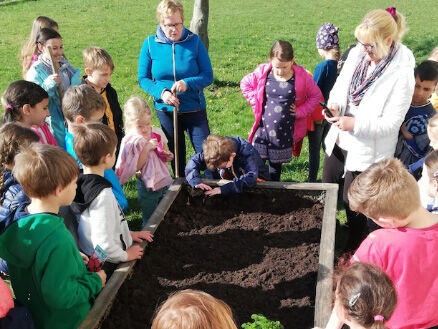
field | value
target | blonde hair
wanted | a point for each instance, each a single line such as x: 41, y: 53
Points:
x: 135, y: 108
x: 431, y: 162
x: 169, y: 7
x: 217, y: 150
x: 96, y: 58
x: 30, y: 47
x: 193, y: 309
x: 40, y: 169
x: 434, y: 54
x: 333, y: 52
x: 385, y: 189
x: 378, y: 25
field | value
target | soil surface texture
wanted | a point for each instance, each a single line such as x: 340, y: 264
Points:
x: 257, y: 251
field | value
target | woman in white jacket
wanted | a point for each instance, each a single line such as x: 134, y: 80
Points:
x: 368, y: 102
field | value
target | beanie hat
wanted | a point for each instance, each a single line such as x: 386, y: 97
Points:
x: 327, y: 36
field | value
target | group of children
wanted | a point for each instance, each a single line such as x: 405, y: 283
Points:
x: 62, y: 202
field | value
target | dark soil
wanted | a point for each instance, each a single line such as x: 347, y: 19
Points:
x: 257, y: 251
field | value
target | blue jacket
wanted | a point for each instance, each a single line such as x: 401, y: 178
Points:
x: 109, y: 174
x: 247, y: 164
x: 12, y: 197
x: 158, y: 57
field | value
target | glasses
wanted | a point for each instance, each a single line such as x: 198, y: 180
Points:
x: 172, y: 26
x: 368, y: 47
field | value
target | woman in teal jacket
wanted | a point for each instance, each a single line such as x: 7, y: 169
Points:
x: 174, y: 68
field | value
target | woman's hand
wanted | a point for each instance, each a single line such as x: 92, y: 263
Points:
x: 344, y: 123
x: 56, y: 78
x: 179, y: 87
x: 169, y: 98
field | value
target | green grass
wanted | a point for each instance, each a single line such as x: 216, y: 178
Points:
x: 241, y: 34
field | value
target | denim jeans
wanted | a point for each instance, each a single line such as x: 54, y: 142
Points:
x: 196, y: 126
x: 316, y: 138
x: 149, y: 200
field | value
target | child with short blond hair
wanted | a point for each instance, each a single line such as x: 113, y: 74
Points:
x: 99, y: 67
x: 389, y: 195
x: 232, y: 158
x: 193, y: 309
x: 47, y: 272
x: 82, y: 104
x: 102, y: 222
x: 144, y: 150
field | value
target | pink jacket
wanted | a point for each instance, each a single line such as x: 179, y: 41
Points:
x: 306, y: 99
x: 46, y: 137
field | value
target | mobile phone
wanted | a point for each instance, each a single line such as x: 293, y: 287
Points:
x: 326, y: 109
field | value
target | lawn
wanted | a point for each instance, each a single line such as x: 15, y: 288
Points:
x: 241, y: 34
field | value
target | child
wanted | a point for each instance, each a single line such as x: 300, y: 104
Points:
x: 27, y: 103
x: 29, y: 52
x: 388, y: 194
x: 428, y: 183
x: 229, y: 158
x: 83, y: 104
x: 281, y: 95
x: 413, y: 142
x: 365, y: 298
x: 98, y: 68
x: 13, y: 138
x: 193, y: 309
x: 144, y: 148
x: 41, y: 72
x: 434, y: 98
x: 102, y: 221
x: 47, y: 272
x: 327, y: 43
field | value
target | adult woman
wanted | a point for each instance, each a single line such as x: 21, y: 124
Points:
x: 369, y: 102
x: 174, y: 68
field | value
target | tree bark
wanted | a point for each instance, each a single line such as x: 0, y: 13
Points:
x: 199, y: 23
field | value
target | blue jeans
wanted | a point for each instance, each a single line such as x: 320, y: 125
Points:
x: 149, y: 200
x: 196, y: 126
x: 315, y: 139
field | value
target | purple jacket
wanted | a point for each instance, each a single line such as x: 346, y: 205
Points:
x: 306, y: 91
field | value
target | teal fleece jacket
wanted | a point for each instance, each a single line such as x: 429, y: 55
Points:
x: 47, y: 272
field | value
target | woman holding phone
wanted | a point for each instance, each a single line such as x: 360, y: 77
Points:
x: 368, y: 102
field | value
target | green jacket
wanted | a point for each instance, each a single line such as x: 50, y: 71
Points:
x: 47, y: 272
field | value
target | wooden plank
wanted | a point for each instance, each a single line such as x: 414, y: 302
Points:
x: 106, y: 297
x: 324, y: 286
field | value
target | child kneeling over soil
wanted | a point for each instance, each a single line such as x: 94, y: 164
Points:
x: 102, y: 222
x: 389, y: 195
x: 228, y: 158
x: 193, y: 309
x: 47, y: 272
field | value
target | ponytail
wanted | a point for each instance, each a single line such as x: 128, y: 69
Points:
x: 401, y: 27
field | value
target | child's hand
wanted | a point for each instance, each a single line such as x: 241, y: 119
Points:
x: 216, y: 190
x: 405, y: 132
x: 204, y: 187
x: 102, y: 275
x: 169, y: 156
x: 56, y: 78
x: 293, y: 109
x: 139, y: 236
x: 135, y: 252
x: 84, y: 258
x: 152, y: 144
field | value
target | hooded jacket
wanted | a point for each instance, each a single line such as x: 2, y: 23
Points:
x: 247, y: 164
x: 47, y: 272
x: 102, y: 222
x: 188, y: 58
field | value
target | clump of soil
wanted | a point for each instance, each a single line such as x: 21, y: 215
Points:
x: 257, y: 251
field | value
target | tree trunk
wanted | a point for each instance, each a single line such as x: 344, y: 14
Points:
x: 199, y: 23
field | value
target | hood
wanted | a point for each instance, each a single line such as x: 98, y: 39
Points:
x: 20, y: 242
x: 161, y: 37
x: 12, y: 197
x: 89, y: 187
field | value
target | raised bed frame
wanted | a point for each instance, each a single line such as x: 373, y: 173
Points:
x: 326, y: 193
